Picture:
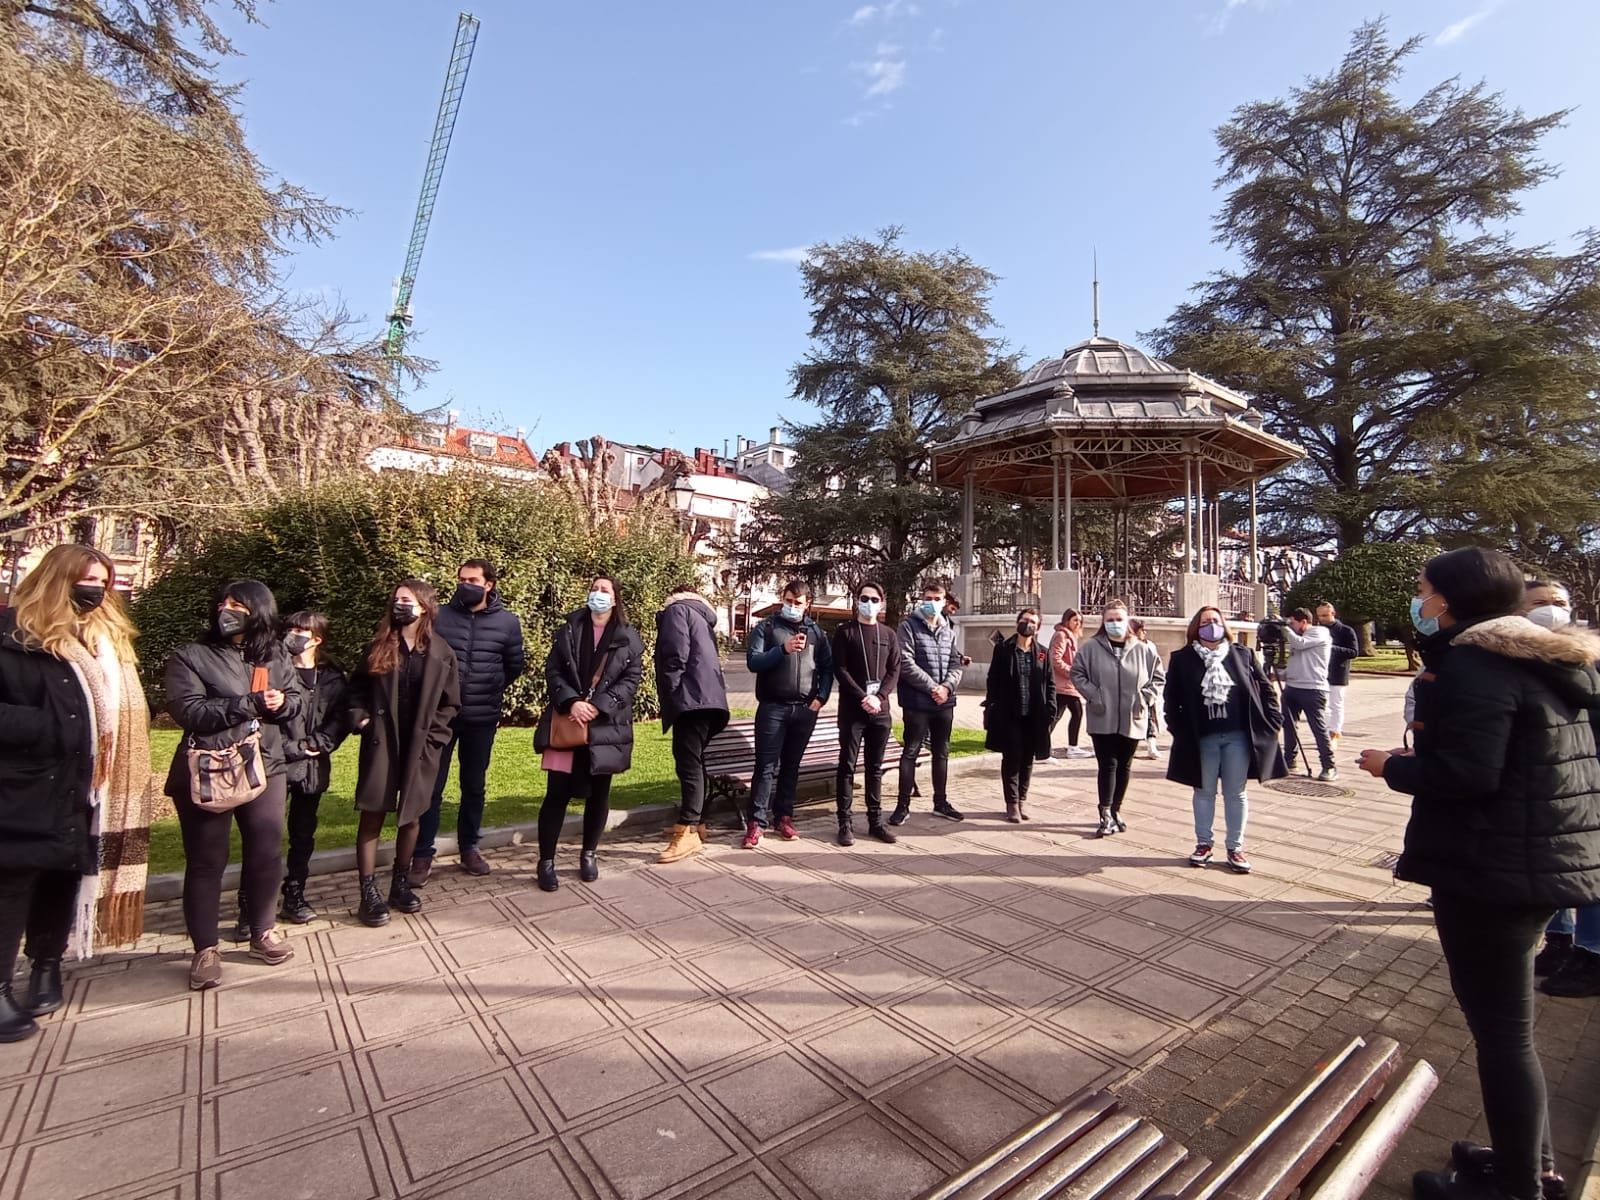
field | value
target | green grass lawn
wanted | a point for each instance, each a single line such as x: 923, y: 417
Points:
x: 516, y: 787
x: 1383, y: 661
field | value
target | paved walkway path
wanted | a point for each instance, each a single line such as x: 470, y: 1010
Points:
x: 800, y: 1021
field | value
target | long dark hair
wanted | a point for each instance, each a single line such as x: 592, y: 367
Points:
x: 261, y: 625
x: 619, y: 610
x: 383, y: 655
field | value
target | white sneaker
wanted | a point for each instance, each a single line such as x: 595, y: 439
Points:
x: 1079, y: 752
x: 1329, y: 775
x: 1149, y: 750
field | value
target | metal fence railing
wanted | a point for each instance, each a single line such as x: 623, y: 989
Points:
x: 1155, y: 596
x: 1003, y: 595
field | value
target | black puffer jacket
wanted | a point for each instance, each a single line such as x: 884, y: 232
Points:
x: 1505, y: 781
x: 489, y: 652
x: 321, y: 725
x: 46, y: 761
x: 207, y: 686
x: 611, y: 733
x: 688, y: 666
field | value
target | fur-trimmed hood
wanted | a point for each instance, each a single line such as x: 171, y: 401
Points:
x: 1568, y: 655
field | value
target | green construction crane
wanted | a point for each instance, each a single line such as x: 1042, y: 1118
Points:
x: 455, y: 83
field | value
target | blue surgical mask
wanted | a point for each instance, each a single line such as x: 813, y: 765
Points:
x: 1426, y: 626
x: 1116, y: 630
x: 793, y: 613
x: 601, y: 602
x: 868, y: 608
x: 928, y: 609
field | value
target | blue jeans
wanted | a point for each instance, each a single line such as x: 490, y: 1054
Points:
x: 476, y: 743
x: 1224, y: 756
x: 783, y: 731
x: 1584, y: 928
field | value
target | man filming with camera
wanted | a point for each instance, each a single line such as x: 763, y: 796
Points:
x: 1305, y: 688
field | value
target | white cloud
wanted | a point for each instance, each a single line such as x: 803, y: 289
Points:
x: 1457, y: 30
x: 789, y: 254
x: 863, y: 14
x: 886, y: 73
x: 1219, y: 22
x: 891, y: 10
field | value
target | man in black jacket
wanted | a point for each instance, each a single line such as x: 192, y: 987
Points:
x: 694, y: 705
x: 487, y: 639
x: 866, y: 662
x: 793, y: 666
x: 1346, y: 647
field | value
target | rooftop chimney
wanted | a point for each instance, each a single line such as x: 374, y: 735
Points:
x: 777, y: 431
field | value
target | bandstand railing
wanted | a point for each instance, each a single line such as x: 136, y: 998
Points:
x: 1003, y: 594
x: 1155, y: 596
x: 1237, y: 598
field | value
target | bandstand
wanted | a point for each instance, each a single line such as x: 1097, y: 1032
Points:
x: 1108, y: 425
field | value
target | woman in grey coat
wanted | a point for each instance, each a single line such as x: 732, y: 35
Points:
x: 1119, y: 678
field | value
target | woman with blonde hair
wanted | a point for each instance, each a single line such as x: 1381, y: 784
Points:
x: 74, y: 777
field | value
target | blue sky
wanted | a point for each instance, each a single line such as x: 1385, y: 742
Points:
x: 613, y: 248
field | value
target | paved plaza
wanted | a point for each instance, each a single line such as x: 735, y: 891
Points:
x: 799, y: 1021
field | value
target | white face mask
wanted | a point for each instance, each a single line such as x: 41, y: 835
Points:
x: 1551, y: 616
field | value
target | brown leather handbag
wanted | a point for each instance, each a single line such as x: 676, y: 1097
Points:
x: 567, y: 733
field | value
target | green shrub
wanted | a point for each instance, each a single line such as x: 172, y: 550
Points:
x: 343, y: 547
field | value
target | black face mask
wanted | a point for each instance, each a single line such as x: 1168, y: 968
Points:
x: 297, y: 642
x: 401, y: 615
x: 231, y: 622
x: 1026, y: 629
x: 470, y: 594
x: 86, y: 597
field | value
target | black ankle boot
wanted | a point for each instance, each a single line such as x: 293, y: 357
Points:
x: 1107, y: 826
x: 294, y: 909
x: 15, y: 1023
x: 876, y: 828
x: 588, y: 866
x: 241, y: 929
x: 847, y: 835
x: 401, y: 897
x: 1456, y: 1185
x: 1116, y: 820
x: 374, y: 911
x: 44, y: 987
x: 547, y: 875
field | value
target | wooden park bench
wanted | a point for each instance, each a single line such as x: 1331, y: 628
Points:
x: 731, y: 760
x: 1326, y: 1142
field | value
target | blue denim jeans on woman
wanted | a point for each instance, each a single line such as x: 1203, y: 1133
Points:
x: 1224, y: 757
x: 1584, y: 928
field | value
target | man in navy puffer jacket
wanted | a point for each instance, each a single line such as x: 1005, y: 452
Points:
x: 487, y: 639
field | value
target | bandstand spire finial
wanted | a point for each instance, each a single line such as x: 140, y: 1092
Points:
x: 1097, y: 293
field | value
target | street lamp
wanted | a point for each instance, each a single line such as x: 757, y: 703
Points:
x: 682, y: 504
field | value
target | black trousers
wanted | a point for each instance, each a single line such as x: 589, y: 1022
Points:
x: 783, y: 731
x: 1313, y: 705
x: 1070, y: 704
x: 855, y: 729
x: 205, y: 852
x: 303, y: 806
x: 475, y: 746
x: 691, y: 734
x: 1490, y: 949
x: 553, y: 811
x: 1016, y: 773
x: 930, y: 725
x: 39, y: 904
x: 1113, y: 755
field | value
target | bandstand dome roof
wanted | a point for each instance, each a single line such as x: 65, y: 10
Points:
x: 1122, y: 423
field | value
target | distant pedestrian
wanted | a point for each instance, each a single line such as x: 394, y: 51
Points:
x: 1223, y: 716
x: 1150, y: 747
x: 309, y: 740
x: 487, y: 639
x: 866, y: 664
x: 232, y: 692
x: 694, y: 707
x: 1305, y: 690
x: 1505, y: 830
x: 1063, y: 649
x: 1344, y: 651
x: 1120, y: 678
x: 592, y: 674
x: 930, y: 673
x: 74, y: 776
x: 403, y: 701
x: 793, y: 665
x: 1019, y: 710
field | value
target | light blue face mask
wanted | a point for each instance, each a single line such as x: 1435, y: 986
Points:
x: 928, y: 609
x: 1116, y: 630
x: 1426, y: 626
x: 601, y: 602
x: 793, y: 613
x: 868, y: 608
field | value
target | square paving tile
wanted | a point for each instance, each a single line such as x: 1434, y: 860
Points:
x: 515, y: 978
x: 1111, y: 1026
x: 950, y: 1015
x: 656, y: 1149
x: 747, y: 1187
x: 1017, y: 982
x: 558, y: 1021
x: 1229, y: 971
x: 486, y: 945
x: 816, y: 942
x: 647, y: 910
x: 646, y: 993
x: 538, y: 1177
x: 578, y: 924
x: 249, y: 1002
x: 1136, y: 937
x: 143, y: 983
x: 797, y: 1004
x: 1166, y: 993
x: 272, y: 1111
x: 131, y: 1029
x: 937, y: 903
x: 876, y: 975
x: 429, y: 1004
x: 723, y: 892
x: 466, y: 1125
x: 1052, y: 910
x: 737, y: 966
x: 705, y: 1036
x: 958, y: 1109
x: 600, y: 1074
x: 535, y: 905
x: 258, y: 1049
x: 609, y: 955
x: 942, y: 950
x: 1046, y: 1065
x: 877, y: 923
x: 871, y: 1051
x: 862, y: 1160
x: 1073, y: 958
x: 430, y: 1059
x: 828, y: 897
x: 999, y: 926
x: 774, y: 1096
x: 1176, y: 917
x: 111, y: 1158
x: 377, y: 971
x: 352, y: 940
x: 1252, y: 939
x: 688, y: 935
x: 768, y: 913
x: 124, y: 1086
x: 347, y: 1164
x: 474, y: 916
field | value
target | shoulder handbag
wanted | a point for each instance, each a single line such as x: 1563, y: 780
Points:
x: 566, y: 733
x: 222, y: 780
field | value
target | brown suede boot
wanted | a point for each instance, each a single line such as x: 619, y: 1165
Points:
x: 685, y: 843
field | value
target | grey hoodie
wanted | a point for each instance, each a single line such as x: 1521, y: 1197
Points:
x: 1119, y: 690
